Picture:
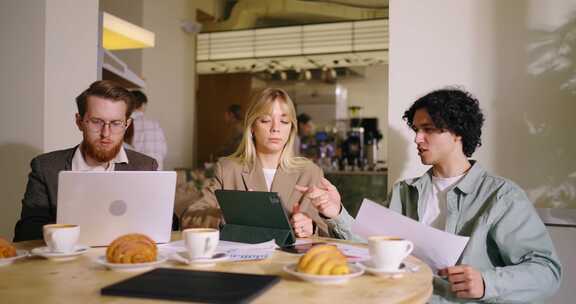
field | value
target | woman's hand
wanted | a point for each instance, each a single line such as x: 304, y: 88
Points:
x: 303, y: 226
x: 325, y: 198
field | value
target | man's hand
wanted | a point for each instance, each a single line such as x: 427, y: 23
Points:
x: 325, y: 198
x: 465, y: 281
x: 302, y: 224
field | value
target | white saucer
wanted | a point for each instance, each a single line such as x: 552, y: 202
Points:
x: 19, y: 254
x: 45, y: 252
x: 355, y: 271
x: 130, y: 267
x: 201, y: 262
x: 381, y: 272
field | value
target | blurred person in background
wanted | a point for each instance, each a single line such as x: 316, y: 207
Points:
x: 233, y: 121
x: 148, y: 136
x: 305, y: 145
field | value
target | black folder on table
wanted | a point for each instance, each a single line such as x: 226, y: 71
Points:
x: 254, y: 217
x: 193, y: 286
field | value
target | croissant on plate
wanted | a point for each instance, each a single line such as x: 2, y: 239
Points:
x: 7, y: 250
x: 132, y: 248
x: 323, y: 260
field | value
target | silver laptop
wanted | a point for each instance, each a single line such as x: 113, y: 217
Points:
x: 107, y: 205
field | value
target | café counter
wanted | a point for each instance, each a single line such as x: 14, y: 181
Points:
x: 354, y: 186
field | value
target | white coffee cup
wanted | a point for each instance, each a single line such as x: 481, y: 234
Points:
x: 387, y: 253
x: 61, y: 238
x: 200, y: 242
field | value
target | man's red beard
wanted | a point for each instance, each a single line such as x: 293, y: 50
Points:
x: 99, y: 154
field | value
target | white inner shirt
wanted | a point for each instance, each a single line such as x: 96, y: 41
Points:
x: 79, y: 163
x: 269, y: 176
x: 436, y: 209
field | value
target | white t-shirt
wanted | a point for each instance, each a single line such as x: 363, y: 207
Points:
x: 435, y: 213
x: 269, y: 176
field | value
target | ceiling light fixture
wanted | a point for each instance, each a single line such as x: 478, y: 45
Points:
x: 119, y: 34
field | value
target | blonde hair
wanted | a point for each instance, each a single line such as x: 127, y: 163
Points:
x: 260, y: 105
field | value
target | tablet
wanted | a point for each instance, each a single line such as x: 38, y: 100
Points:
x: 253, y: 208
x: 193, y: 286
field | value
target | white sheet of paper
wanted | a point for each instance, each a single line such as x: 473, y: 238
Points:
x: 235, y: 250
x: 435, y: 247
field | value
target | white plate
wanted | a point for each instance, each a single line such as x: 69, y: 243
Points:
x: 19, y: 254
x: 355, y: 271
x: 202, y: 262
x: 45, y: 252
x: 404, y: 268
x: 130, y: 267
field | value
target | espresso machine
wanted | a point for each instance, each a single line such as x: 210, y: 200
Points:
x: 360, y: 148
x: 353, y: 149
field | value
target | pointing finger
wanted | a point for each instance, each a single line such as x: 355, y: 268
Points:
x: 301, y: 188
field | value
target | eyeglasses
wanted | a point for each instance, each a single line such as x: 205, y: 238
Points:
x: 96, y: 125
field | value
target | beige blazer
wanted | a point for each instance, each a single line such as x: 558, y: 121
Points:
x: 232, y: 175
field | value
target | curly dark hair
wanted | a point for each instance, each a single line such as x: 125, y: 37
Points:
x: 454, y: 110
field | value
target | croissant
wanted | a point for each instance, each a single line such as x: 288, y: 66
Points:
x: 323, y: 260
x: 132, y: 248
x: 6, y: 249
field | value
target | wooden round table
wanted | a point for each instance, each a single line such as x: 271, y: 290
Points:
x: 37, y: 280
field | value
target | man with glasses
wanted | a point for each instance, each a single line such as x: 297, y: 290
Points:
x: 103, y: 115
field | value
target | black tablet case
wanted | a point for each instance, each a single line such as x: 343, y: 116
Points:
x: 193, y: 286
x: 254, y: 217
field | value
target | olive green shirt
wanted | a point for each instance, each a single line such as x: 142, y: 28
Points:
x: 508, y: 243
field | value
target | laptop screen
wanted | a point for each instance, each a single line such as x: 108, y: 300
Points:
x: 109, y: 204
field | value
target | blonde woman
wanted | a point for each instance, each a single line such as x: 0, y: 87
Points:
x: 265, y: 161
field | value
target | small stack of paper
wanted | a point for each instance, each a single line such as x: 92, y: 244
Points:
x: 235, y: 251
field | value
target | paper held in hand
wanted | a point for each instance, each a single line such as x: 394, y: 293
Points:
x: 435, y: 247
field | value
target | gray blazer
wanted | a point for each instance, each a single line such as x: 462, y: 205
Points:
x: 39, y: 203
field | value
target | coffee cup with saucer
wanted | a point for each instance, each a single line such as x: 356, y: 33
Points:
x: 387, y: 255
x: 200, y: 246
x: 61, y: 241
x: 372, y: 269
x: 47, y: 253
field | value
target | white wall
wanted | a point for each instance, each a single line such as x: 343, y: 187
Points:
x: 22, y: 103
x: 45, y: 64
x: 70, y: 61
x: 488, y: 47
x: 426, y: 54
x: 169, y: 71
x: 371, y: 93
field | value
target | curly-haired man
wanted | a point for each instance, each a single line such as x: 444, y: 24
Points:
x: 510, y: 256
